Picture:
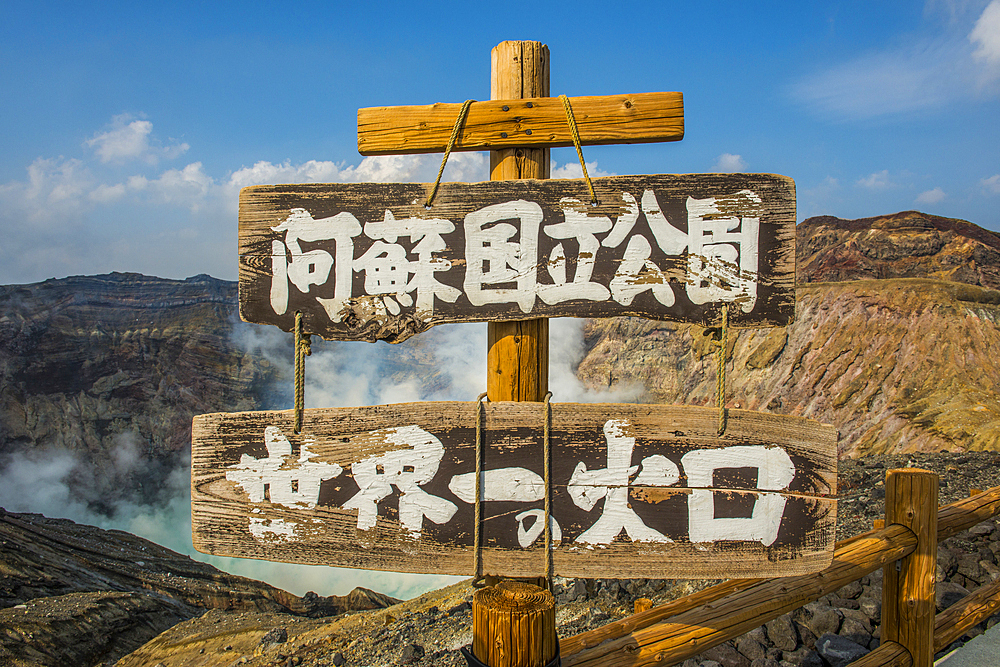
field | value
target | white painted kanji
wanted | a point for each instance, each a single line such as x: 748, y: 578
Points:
x: 724, y: 249
x: 583, y: 228
x: 775, y: 472
x: 312, y: 267
x: 612, y: 483
x: 280, y: 478
x: 501, y: 256
x: 387, y: 266
x: 493, y: 258
x: 406, y: 469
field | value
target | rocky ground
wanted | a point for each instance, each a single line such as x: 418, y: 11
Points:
x: 429, y: 630
x: 73, y: 595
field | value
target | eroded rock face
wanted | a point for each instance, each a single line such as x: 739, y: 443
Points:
x: 909, y: 244
x: 121, y: 362
x: 897, y: 365
x: 85, y: 628
x: 899, y: 355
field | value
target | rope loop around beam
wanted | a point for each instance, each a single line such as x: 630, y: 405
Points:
x: 571, y: 119
x: 451, y: 144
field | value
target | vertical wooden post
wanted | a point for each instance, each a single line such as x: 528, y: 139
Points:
x: 518, y: 358
x: 908, y: 584
x: 514, y: 623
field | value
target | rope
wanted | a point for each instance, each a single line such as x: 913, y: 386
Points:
x: 451, y: 143
x: 576, y: 142
x: 303, y: 348
x: 477, y: 537
x: 548, y: 491
x: 720, y: 375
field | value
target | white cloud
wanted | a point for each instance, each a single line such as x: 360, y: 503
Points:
x: 991, y: 184
x: 574, y: 170
x: 105, y: 194
x: 931, y: 196
x: 184, y: 187
x: 48, y: 199
x: 380, y: 169
x: 877, y: 181
x: 130, y: 140
x: 729, y: 163
x: 986, y: 36
x: 73, y: 216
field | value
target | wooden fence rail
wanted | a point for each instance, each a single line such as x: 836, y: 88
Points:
x: 683, y: 628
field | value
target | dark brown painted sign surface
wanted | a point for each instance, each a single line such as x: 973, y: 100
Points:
x: 369, y: 261
x: 637, y: 490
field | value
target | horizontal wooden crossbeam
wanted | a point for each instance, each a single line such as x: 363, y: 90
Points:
x: 538, y: 122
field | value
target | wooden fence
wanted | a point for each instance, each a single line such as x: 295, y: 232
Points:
x: 906, y: 550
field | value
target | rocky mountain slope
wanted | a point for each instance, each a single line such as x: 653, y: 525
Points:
x: 90, y: 363
x: 908, y: 244
x: 77, y: 595
x: 905, y: 362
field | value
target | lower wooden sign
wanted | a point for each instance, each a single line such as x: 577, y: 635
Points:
x: 637, y: 490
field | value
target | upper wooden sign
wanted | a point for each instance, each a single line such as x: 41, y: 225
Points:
x: 524, y: 123
x: 637, y: 490
x: 369, y: 261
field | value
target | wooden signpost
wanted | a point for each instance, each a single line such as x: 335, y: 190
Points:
x: 635, y: 490
x: 638, y: 490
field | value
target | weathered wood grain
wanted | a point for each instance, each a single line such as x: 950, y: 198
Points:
x: 504, y: 634
x: 514, y: 625
x: 368, y: 261
x: 963, y: 615
x: 534, y: 122
x: 966, y: 513
x: 625, y: 479
x: 948, y: 625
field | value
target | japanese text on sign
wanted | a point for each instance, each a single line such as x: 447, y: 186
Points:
x: 502, y: 262
x: 281, y: 479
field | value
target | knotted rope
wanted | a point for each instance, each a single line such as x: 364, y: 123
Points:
x: 303, y: 348
x: 477, y: 537
x: 720, y: 375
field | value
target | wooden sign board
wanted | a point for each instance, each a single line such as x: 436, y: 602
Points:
x: 369, y: 261
x: 522, y: 123
x: 637, y: 490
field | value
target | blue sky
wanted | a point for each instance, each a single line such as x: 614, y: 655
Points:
x: 129, y: 127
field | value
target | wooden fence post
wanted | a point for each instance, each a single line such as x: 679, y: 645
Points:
x: 513, y: 623
x: 911, y: 499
